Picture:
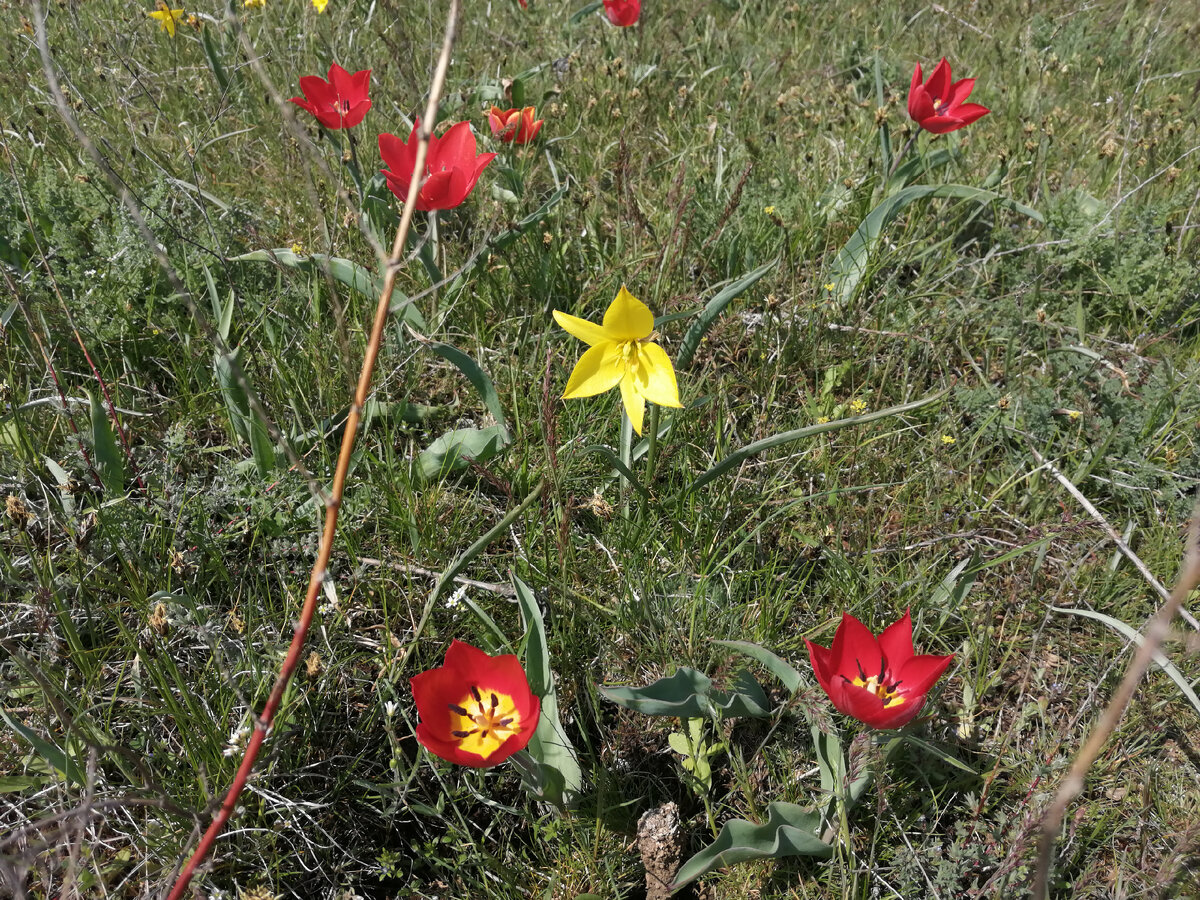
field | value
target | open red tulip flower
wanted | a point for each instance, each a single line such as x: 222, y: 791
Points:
x: 340, y: 102
x: 623, y: 13
x: 938, y: 104
x: 515, y: 126
x: 476, y: 710
x: 452, y: 166
x: 878, y: 681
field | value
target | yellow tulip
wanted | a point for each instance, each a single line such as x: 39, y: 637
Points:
x: 621, y: 353
x: 167, y: 18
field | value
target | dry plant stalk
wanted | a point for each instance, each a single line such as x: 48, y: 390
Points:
x: 1156, y: 631
x: 262, y: 723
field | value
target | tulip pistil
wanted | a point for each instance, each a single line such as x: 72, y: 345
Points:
x: 483, y: 720
x: 878, y: 685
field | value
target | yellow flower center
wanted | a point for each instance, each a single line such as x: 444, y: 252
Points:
x: 877, y: 685
x: 938, y: 103
x: 483, y: 720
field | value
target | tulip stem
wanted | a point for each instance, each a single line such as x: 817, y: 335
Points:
x: 352, y: 164
x: 903, y: 153
x: 626, y: 458
x: 652, y: 449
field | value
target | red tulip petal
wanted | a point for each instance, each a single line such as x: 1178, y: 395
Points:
x: 355, y: 114
x: 942, y: 124
x: 920, y: 107
x: 919, y: 674
x: 455, y: 148
x: 969, y: 112
x: 821, y: 659
x: 896, y: 642
x: 855, y: 651
x: 435, y: 192
x: 960, y: 91
x: 913, y: 89
x: 938, y: 84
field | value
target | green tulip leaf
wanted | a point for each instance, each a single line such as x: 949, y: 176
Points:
x: 110, y: 461
x: 51, y: 753
x: 689, y: 694
x: 558, y: 779
x: 455, y: 450
x: 916, y: 165
x: 791, y: 678
x: 741, y: 455
x: 851, y: 264
x: 790, y: 830
x: 343, y: 271
x: 479, y: 380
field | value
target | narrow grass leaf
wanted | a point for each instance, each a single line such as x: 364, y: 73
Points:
x: 740, y: 456
x: 791, y: 678
x: 505, y: 238
x: 689, y: 694
x: 714, y: 308
x: 110, y: 462
x: 851, y: 264
x: 936, y: 751
x: 790, y: 830
x: 1132, y: 634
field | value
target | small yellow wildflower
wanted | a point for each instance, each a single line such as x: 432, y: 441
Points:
x: 822, y: 420
x: 297, y: 248
x: 319, y: 5
x: 830, y: 286
x: 858, y: 406
x: 1074, y: 415
x: 167, y: 18
x: 254, y: 4
x: 947, y: 439
x: 769, y: 210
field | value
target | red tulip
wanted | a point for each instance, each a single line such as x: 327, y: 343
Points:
x: 879, y: 682
x: 340, y: 102
x: 937, y: 105
x: 451, y: 166
x: 514, y: 125
x: 623, y: 12
x: 476, y: 710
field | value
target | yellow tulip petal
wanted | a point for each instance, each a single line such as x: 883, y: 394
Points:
x: 588, y: 332
x: 628, y: 318
x: 635, y: 405
x: 598, y: 370
x: 656, y: 375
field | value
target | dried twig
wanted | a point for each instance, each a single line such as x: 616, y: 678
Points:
x: 1155, y: 633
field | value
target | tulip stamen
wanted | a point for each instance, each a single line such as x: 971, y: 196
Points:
x: 484, y: 720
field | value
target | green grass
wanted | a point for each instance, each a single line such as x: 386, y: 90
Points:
x: 139, y: 628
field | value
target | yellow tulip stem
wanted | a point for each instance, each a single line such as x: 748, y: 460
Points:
x: 626, y: 458
x: 652, y: 448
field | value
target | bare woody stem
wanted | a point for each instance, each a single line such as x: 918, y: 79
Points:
x: 319, y: 572
x: 1155, y: 633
